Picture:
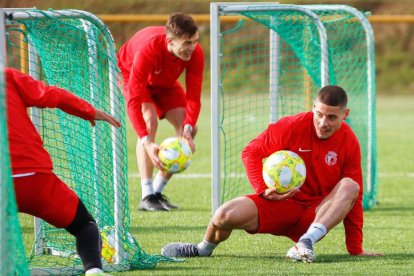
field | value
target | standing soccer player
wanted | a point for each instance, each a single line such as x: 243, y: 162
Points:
x: 151, y: 63
x: 332, y: 191
x: 39, y: 192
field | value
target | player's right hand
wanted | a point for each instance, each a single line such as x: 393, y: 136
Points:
x: 271, y: 194
x: 152, y: 150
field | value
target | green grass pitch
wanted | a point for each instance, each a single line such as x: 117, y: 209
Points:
x: 389, y: 227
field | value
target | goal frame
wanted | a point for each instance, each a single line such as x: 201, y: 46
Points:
x: 220, y: 10
x: 88, y: 19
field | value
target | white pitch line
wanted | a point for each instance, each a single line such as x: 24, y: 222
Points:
x: 240, y: 175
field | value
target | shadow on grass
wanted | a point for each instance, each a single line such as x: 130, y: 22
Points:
x: 325, y: 258
x: 197, y: 209
x: 335, y: 258
x: 182, y: 267
x: 193, y: 210
x: 163, y: 229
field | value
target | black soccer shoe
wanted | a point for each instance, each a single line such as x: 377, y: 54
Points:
x: 163, y: 200
x: 151, y: 203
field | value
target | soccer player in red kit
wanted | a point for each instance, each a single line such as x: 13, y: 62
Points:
x: 39, y: 192
x: 332, y: 191
x: 151, y: 63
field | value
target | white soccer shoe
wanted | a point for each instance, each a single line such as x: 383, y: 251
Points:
x: 293, y: 254
x: 302, y: 251
x: 180, y: 249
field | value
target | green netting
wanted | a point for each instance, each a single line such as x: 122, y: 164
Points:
x: 270, y: 67
x: 75, y: 51
x: 12, y: 254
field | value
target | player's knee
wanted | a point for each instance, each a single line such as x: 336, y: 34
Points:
x: 350, y: 187
x: 82, y: 218
x: 221, y: 217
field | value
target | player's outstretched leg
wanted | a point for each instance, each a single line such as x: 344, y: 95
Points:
x: 183, y: 250
x: 302, y: 251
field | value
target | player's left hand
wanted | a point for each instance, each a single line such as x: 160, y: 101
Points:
x: 187, y: 136
x: 371, y: 254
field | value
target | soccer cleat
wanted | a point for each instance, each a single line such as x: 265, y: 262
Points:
x: 293, y: 254
x: 151, y: 203
x: 164, y: 201
x: 303, y: 251
x: 179, y: 249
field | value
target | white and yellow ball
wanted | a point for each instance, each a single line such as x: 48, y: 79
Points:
x: 284, y: 170
x: 109, y: 247
x: 175, y: 154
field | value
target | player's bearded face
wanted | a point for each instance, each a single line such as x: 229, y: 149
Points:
x: 328, y: 119
x: 183, y: 47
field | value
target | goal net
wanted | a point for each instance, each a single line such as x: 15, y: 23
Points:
x: 10, y: 232
x: 269, y: 61
x: 73, y: 50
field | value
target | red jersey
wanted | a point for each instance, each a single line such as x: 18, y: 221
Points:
x: 327, y: 162
x: 146, y: 62
x: 27, y: 153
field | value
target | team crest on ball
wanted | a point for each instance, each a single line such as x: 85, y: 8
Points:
x: 175, y: 154
x: 284, y: 170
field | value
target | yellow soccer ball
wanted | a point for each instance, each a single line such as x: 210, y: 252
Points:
x: 284, y: 170
x: 109, y: 247
x: 175, y: 154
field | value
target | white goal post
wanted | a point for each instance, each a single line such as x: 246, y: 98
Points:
x: 227, y: 77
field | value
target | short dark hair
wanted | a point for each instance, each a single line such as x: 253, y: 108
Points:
x: 333, y: 95
x: 180, y: 24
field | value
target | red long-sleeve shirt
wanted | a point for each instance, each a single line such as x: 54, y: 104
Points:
x: 146, y: 62
x: 327, y: 161
x: 26, y: 147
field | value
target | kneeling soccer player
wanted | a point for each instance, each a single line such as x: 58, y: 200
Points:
x: 331, y: 193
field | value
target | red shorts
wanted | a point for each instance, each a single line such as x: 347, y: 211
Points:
x: 45, y: 196
x: 284, y: 218
x: 165, y: 99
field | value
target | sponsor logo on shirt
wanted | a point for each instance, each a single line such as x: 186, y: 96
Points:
x: 304, y: 150
x: 157, y: 72
x: 330, y: 158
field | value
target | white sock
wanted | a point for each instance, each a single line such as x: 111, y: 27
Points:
x: 205, y: 248
x: 146, y: 187
x: 315, y: 232
x: 93, y: 271
x: 159, y: 183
